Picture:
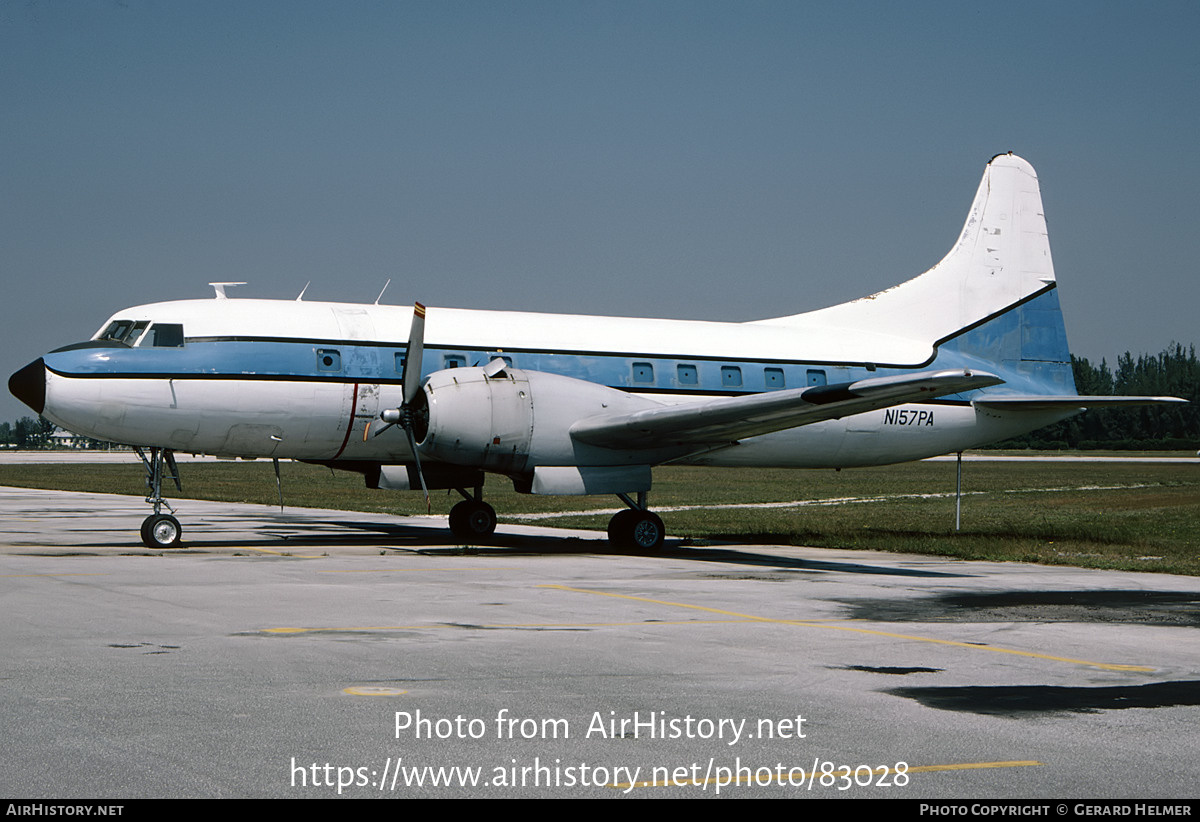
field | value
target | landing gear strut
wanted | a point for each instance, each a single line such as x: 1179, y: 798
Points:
x: 472, y: 520
x: 160, y: 530
x: 636, y: 527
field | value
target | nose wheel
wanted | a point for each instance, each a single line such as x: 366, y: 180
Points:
x: 160, y: 530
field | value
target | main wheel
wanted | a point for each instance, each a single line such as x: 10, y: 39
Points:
x: 648, y: 531
x: 473, y: 521
x: 161, y: 531
x: 643, y: 530
x: 620, y: 528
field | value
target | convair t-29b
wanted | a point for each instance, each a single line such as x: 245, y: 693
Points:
x: 969, y: 352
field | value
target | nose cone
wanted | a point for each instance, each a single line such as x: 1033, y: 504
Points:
x: 29, y: 385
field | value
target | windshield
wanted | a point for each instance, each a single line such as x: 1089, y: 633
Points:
x: 129, y: 332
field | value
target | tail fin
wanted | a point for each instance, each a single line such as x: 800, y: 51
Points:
x: 1001, y: 259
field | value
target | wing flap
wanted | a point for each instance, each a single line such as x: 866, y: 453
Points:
x: 731, y: 418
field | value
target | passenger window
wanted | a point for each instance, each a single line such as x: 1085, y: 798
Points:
x: 643, y: 372
x: 166, y: 335
x: 774, y: 377
x: 454, y: 361
x: 686, y: 374
x: 329, y: 359
x: 731, y: 376
x: 816, y: 376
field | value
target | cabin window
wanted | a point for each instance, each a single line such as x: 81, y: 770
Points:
x: 166, y: 335
x: 454, y: 361
x: 731, y: 376
x: 643, y: 372
x: 773, y: 377
x: 329, y: 359
x: 816, y: 376
x: 687, y: 375
x: 399, y: 363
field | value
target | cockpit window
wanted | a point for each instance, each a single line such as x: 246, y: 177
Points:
x: 166, y: 335
x: 135, y: 333
x: 129, y: 332
x: 124, y: 331
x: 116, y: 330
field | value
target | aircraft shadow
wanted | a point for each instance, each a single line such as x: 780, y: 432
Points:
x: 1026, y: 700
x: 435, y: 540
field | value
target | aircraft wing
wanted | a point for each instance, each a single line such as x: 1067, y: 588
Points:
x: 1036, y: 403
x: 731, y: 418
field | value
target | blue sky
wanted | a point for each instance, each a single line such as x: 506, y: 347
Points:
x: 697, y: 160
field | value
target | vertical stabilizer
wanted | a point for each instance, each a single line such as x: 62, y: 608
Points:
x: 1001, y: 258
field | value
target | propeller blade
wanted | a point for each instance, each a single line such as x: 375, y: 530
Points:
x: 412, y: 443
x: 412, y: 357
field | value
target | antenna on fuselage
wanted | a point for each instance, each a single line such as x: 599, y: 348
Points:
x: 220, y: 289
x: 385, y: 285
x: 300, y: 298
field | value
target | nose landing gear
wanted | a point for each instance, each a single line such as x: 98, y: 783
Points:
x: 160, y: 530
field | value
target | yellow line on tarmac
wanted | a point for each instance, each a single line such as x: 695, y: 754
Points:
x: 501, y: 625
x: 813, y: 624
x: 98, y: 574
x: 399, y: 570
x: 967, y: 766
x: 279, y: 553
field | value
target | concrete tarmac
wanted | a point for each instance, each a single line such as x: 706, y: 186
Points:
x: 326, y: 653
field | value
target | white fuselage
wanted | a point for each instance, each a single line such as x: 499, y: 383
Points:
x: 263, y: 378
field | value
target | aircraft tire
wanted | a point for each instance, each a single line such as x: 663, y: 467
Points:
x: 620, y: 528
x: 473, y: 521
x: 642, y: 530
x: 161, y: 531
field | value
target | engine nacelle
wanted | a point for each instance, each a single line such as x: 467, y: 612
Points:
x: 511, y: 421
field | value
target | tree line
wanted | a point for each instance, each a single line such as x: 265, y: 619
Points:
x: 1173, y: 373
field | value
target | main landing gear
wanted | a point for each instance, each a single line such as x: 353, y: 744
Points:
x: 636, y: 527
x: 160, y: 530
x: 472, y: 520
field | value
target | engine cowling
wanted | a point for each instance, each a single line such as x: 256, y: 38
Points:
x: 511, y: 421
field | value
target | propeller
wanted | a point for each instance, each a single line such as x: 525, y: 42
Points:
x: 411, y: 385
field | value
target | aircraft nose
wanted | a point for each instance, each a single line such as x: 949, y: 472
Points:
x: 29, y: 385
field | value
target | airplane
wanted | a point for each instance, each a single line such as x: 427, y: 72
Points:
x: 970, y: 352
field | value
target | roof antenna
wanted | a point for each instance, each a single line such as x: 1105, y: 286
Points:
x: 301, y: 297
x: 385, y: 285
x: 220, y: 289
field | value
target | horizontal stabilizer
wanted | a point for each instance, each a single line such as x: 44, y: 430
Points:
x: 731, y: 418
x: 1036, y: 403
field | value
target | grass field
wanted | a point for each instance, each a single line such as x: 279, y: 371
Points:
x: 1133, y: 516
